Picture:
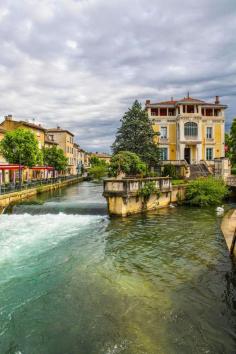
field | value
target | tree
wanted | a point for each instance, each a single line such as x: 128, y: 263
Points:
x: 136, y: 135
x: 126, y: 162
x: 228, y: 146
x: 98, y: 168
x: 21, y: 146
x: 95, y: 161
x: 55, y: 157
x: 98, y: 171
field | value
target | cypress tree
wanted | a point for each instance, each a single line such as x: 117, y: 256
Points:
x: 136, y: 135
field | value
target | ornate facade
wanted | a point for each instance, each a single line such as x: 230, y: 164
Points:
x: 188, y: 129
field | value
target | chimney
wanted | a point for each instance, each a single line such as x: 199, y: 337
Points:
x: 217, y: 101
x: 148, y: 102
x: 8, y: 117
x: 58, y: 127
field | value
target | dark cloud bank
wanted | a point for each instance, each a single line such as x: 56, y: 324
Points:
x: 81, y: 64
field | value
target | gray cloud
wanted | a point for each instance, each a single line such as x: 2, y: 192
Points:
x: 81, y: 64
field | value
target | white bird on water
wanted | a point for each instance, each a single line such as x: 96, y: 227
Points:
x: 171, y: 205
x: 220, y: 210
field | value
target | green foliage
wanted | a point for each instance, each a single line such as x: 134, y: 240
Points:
x: 21, y: 146
x: 171, y: 171
x: 228, y: 146
x: 176, y: 182
x: 206, y: 191
x: 233, y: 171
x: 55, y: 157
x: 98, y: 171
x: 136, y: 135
x: 230, y: 143
x: 126, y: 162
x: 148, y: 189
x: 95, y: 161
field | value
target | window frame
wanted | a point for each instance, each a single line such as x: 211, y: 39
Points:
x: 165, y: 136
x: 163, y: 154
x: 191, y: 129
x: 211, y: 130
x: 212, y: 154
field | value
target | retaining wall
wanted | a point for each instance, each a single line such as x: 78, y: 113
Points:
x: 6, y: 199
x: 123, y: 197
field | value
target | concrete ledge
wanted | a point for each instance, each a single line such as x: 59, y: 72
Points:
x: 125, y: 204
x: 9, y: 198
x: 228, y: 227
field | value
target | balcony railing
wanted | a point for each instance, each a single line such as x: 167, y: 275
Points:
x: 127, y: 186
x: 191, y: 137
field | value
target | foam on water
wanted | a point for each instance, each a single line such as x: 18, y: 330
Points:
x: 22, y: 234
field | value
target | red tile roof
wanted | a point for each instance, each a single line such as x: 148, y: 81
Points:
x: 183, y: 100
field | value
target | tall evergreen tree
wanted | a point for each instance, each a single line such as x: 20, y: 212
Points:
x: 136, y: 135
x: 230, y: 143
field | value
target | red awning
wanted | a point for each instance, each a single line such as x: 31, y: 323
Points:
x: 11, y: 167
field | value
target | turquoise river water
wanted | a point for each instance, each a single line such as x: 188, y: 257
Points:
x: 74, y: 281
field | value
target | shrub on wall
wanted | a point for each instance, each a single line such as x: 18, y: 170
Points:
x: 148, y: 189
x: 206, y: 191
x: 171, y: 171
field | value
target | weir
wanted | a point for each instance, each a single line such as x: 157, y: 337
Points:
x: 124, y: 195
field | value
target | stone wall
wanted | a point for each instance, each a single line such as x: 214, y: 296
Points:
x: 6, y: 199
x: 123, y: 197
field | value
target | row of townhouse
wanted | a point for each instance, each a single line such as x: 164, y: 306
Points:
x: 78, y: 159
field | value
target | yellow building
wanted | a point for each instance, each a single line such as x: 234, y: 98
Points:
x: 49, y: 141
x: 188, y: 129
x: 65, y: 140
x: 10, y: 124
x: 102, y: 156
x: 2, y: 133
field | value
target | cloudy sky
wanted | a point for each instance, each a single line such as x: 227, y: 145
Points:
x: 81, y: 63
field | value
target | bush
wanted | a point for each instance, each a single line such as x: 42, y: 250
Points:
x: 148, y: 189
x: 171, y: 171
x: 126, y: 162
x: 206, y: 191
x: 176, y: 182
x: 233, y: 170
x: 97, y: 171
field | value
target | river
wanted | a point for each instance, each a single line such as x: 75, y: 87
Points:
x: 74, y: 281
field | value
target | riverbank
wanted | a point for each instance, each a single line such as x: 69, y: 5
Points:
x: 9, y: 198
x: 228, y: 227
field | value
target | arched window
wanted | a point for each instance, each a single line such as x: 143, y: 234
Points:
x: 190, y: 129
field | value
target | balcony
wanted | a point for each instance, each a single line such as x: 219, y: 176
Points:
x: 164, y: 140
x: 210, y: 140
x: 190, y: 137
